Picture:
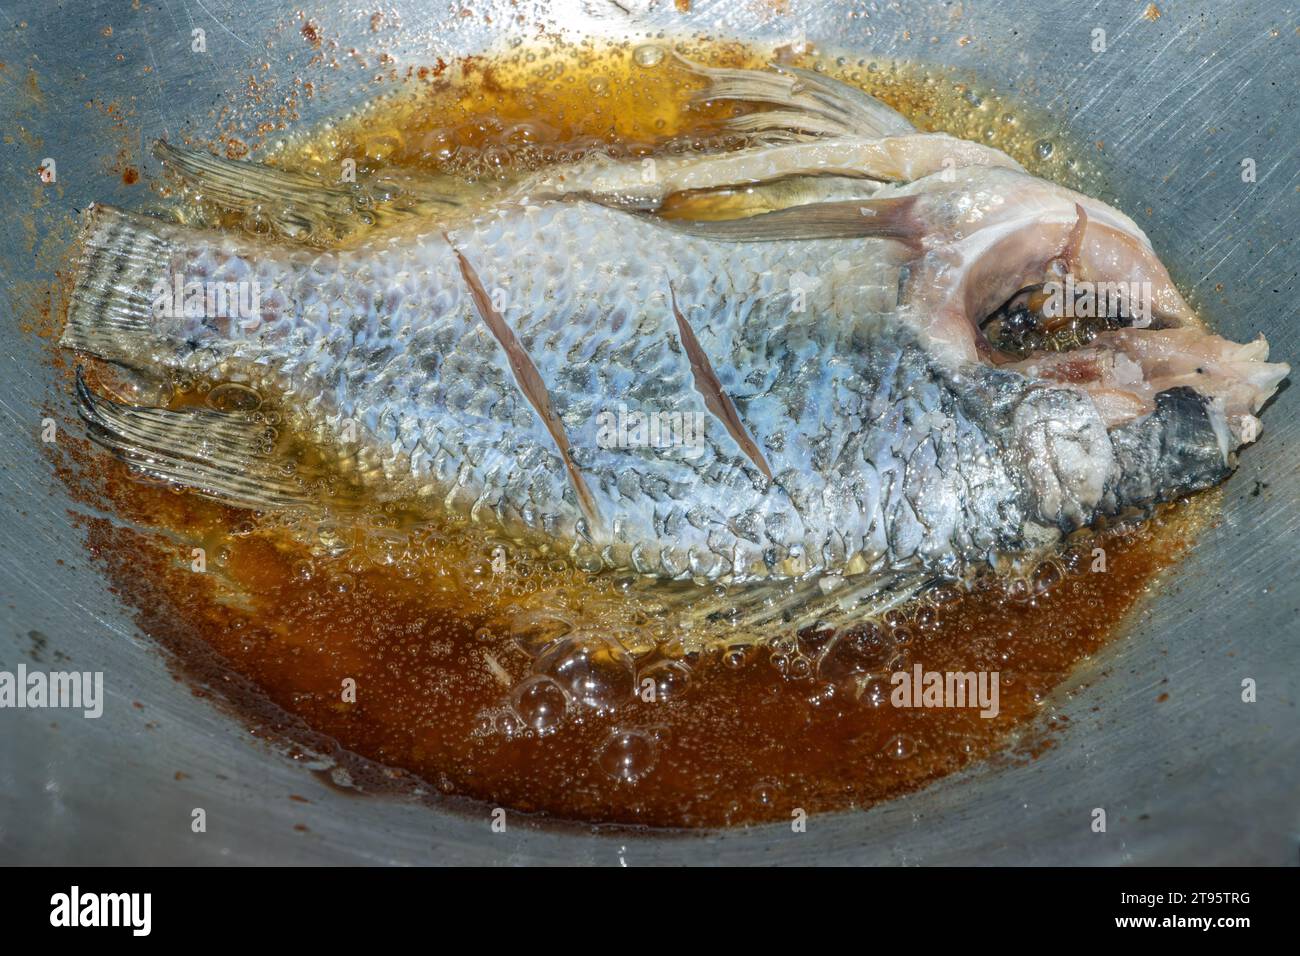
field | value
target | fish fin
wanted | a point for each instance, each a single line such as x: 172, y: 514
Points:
x: 872, y: 218
x: 855, y: 598
x: 302, y: 207
x: 809, y: 104
x: 122, y: 256
x: 220, y: 455
x: 779, y: 175
x: 762, y: 613
x: 731, y: 202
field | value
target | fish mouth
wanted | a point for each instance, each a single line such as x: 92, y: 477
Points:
x: 1125, y: 370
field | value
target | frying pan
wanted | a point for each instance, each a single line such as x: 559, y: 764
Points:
x: 1179, y: 102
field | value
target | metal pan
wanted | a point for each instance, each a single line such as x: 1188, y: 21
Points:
x: 1180, y: 102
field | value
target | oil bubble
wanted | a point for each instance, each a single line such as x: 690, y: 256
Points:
x: 900, y: 747
x: 661, y: 733
x: 507, y: 724
x: 1043, y: 149
x: 477, y: 575
x: 735, y: 656
x: 765, y: 792
x: 232, y: 397
x: 535, y: 631
x: 823, y: 696
x: 648, y: 55
x: 1018, y: 590
x: 595, y: 671
x: 137, y: 388
x: 943, y: 595
x: 860, y: 651
x: 874, y: 694
x: 927, y: 618
x: 1072, y: 562
x: 668, y: 681
x: 1046, y: 576
x: 588, y: 561
x: 433, y: 544
x: 812, y: 640
x: 539, y: 703
x: 385, y: 546
x: 628, y: 755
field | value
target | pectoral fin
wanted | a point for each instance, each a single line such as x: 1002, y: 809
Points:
x: 873, y: 218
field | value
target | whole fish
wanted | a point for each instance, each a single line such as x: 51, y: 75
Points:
x: 842, y: 366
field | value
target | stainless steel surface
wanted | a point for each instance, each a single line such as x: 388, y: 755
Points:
x: 1179, y: 103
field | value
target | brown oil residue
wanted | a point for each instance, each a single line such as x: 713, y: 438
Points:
x: 383, y: 637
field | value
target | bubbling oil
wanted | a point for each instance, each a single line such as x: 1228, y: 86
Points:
x: 468, y: 663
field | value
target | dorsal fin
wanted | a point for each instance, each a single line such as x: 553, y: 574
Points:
x: 809, y: 104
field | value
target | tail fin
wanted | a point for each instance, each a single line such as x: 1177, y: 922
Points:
x: 121, y: 260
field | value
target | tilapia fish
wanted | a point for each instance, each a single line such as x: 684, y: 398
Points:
x: 843, y: 364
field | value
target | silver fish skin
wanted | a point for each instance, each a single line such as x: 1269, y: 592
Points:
x: 830, y: 405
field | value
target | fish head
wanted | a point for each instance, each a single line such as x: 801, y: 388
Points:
x: 1115, y: 392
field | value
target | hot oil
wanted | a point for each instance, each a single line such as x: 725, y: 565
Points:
x: 419, y: 641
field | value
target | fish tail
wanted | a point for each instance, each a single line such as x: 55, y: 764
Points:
x: 122, y: 259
